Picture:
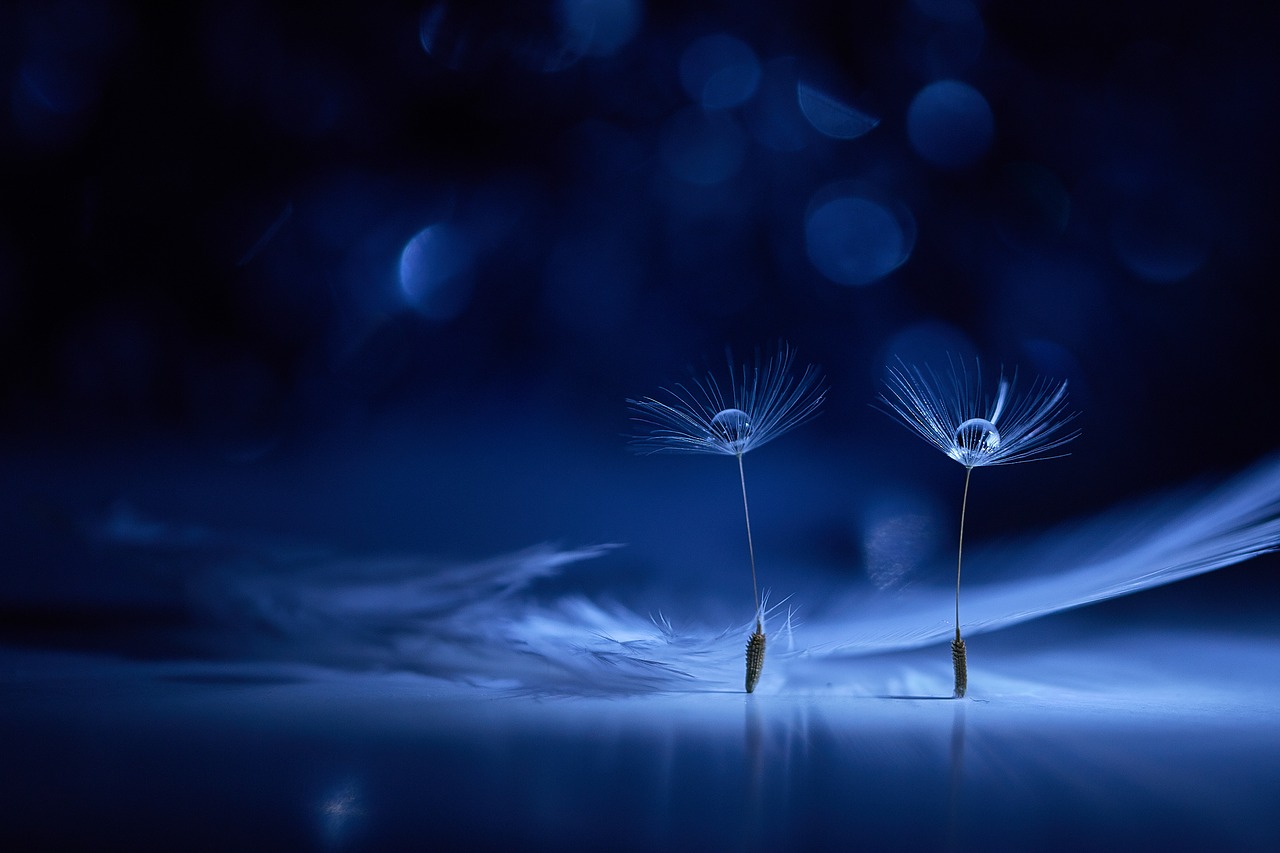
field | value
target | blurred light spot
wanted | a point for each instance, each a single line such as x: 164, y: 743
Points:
x: 832, y: 117
x: 950, y: 124
x: 66, y: 49
x: 35, y: 118
x: 601, y: 27
x: 719, y: 71
x: 900, y: 535
x: 444, y: 36
x: 1159, y: 240
x: 340, y: 813
x: 774, y: 116
x: 1060, y: 296
x: 435, y: 272
x: 854, y: 241
x: 930, y: 342
x: 56, y: 84
x: 465, y: 36
x: 702, y: 148
x: 1043, y: 357
x: 1034, y: 206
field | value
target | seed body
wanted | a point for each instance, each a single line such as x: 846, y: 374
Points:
x: 755, y: 659
x: 961, y: 665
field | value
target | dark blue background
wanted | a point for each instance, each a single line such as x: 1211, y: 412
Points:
x: 379, y: 278
x: 205, y: 209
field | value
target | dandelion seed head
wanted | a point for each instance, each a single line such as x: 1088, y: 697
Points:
x: 759, y: 403
x: 952, y: 413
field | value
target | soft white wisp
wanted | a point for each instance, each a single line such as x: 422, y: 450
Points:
x: 483, y: 623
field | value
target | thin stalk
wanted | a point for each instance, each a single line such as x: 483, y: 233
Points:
x: 755, y: 645
x: 964, y: 502
x: 751, y: 548
x: 959, y: 658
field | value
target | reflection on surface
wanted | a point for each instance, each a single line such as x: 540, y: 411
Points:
x: 957, y: 775
x: 1120, y: 740
x: 340, y: 814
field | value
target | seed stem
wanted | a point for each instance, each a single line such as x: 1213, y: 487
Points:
x: 959, y: 664
x: 964, y: 502
x: 751, y: 548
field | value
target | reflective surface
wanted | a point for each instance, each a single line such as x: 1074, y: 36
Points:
x: 1057, y: 745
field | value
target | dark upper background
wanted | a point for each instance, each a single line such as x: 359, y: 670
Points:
x: 244, y: 231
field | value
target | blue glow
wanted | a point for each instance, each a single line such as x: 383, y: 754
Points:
x: 832, y: 117
x: 1159, y: 241
x: 927, y: 342
x: 56, y: 90
x: 481, y: 626
x: 702, y: 148
x: 719, y: 71
x: 434, y: 35
x: 322, y: 326
x: 464, y: 36
x: 1058, y: 296
x: 435, y: 268
x: 603, y: 27
x: 1050, y: 358
x: 341, y: 811
x: 55, y: 85
x: 65, y: 51
x: 950, y: 124
x: 773, y: 116
x: 855, y: 241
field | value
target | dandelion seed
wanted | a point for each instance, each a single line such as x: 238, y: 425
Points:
x: 762, y: 403
x: 955, y: 418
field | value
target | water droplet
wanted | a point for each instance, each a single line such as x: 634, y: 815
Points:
x: 976, y: 439
x: 733, y: 427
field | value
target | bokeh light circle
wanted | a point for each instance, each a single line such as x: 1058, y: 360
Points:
x: 719, y: 71
x: 855, y: 241
x: 702, y: 148
x: 950, y: 124
x: 435, y: 271
x: 1159, y: 240
x: 602, y: 27
x: 831, y: 116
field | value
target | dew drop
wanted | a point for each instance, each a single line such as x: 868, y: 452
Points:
x: 976, y: 439
x: 733, y: 427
